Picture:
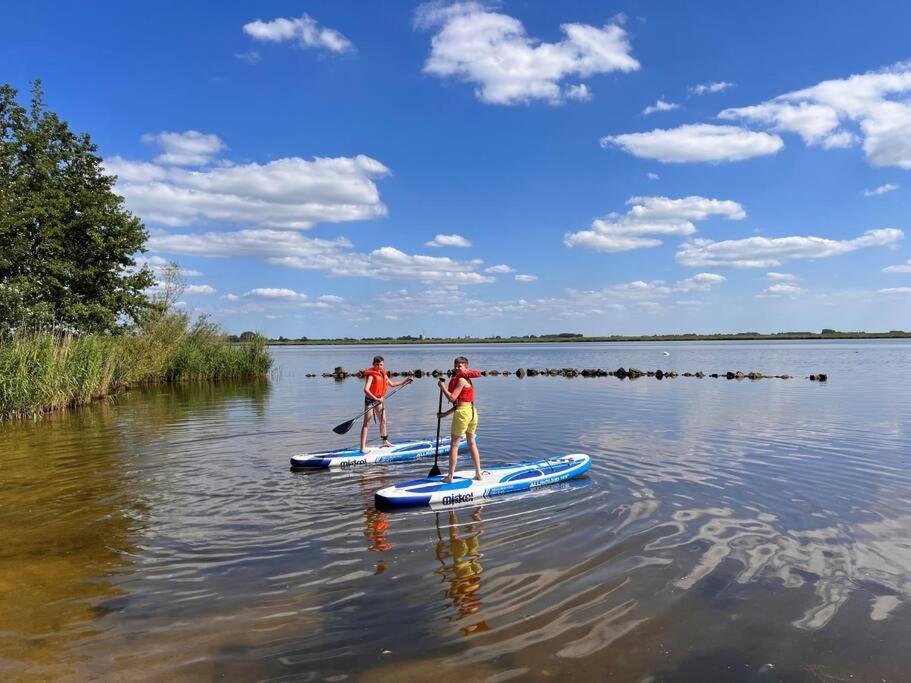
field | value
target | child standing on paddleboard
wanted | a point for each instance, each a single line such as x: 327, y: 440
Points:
x: 376, y: 383
x: 460, y: 393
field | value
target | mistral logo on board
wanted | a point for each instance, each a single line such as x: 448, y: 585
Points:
x: 352, y: 463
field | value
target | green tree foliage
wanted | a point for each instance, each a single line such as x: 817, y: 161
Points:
x: 66, y: 240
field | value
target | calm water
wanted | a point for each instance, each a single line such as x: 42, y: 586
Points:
x: 755, y: 531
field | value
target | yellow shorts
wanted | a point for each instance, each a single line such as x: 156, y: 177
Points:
x: 464, y: 420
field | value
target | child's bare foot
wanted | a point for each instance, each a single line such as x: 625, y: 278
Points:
x: 447, y: 479
x: 478, y: 477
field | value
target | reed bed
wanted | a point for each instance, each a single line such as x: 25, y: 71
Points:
x: 48, y: 370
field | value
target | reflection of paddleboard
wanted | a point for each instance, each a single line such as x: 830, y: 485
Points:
x: 351, y: 457
x: 497, y: 480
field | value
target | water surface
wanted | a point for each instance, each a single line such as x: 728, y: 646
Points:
x: 726, y: 530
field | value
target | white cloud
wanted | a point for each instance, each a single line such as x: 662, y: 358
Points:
x: 901, y: 268
x: 526, y: 278
x: 577, y: 93
x: 294, y: 250
x: 476, y: 44
x: 652, y: 176
x: 190, y: 148
x: 286, y: 193
x: 877, y: 103
x: 764, y: 252
x: 448, y: 241
x: 894, y: 290
x: 502, y: 268
x: 306, y: 31
x: 696, y: 142
x: 280, y: 293
x: 250, y: 57
x: 781, y: 277
x: 703, y: 282
x: 651, y: 216
x: 199, y: 289
x: 781, y: 290
x: 708, y: 88
x: 882, y: 189
x: 660, y: 105
x: 331, y: 299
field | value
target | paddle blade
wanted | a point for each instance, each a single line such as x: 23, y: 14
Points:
x: 344, y: 427
x: 434, y: 471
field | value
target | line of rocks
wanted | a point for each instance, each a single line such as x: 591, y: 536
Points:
x: 340, y: 373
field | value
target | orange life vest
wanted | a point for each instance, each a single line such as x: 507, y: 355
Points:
x: 467, y: 394
x: 380, y: 381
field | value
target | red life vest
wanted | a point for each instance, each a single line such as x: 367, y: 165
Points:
x: 380, y: 381
x: 467, y: 394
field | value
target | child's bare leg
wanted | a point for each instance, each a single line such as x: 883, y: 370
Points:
x: 475, y: 455
x: 384, y: 431
x: 453, y: 457
x: 364, y: 429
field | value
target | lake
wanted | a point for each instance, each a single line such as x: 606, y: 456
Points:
x: 727, y: 530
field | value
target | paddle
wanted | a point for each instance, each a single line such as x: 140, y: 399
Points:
x: 435, y: 470
x: 345, y: 427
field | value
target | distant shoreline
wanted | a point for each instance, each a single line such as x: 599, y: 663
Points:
x: 742, y: 336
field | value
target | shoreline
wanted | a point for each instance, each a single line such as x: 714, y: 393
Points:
x: 743, y: 336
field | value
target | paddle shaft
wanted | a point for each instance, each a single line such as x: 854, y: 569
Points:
x: 435, y: 470
x: 348, y: 423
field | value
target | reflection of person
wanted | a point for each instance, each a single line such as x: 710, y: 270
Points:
x: 461, y: 567
x: 376, y: 523
x: 460, y: 393
x: 376, y: 383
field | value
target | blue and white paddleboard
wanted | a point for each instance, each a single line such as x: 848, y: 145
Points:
x: 352, y: 457
x: 497, y: 480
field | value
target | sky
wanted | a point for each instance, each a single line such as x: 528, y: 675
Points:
x: 328, y: 169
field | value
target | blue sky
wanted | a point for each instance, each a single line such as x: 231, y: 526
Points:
x: 361, y: 169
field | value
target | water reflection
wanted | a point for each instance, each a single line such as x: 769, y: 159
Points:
x: 459, y: 555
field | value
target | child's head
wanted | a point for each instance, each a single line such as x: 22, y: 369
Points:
x: 377, y: 361
x: 460, y: 363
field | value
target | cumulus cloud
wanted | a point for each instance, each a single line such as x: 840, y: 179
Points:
x: 765, y: 252
x: 781, y: 290
x: 502, y: 268
x: 305, y: 31
x: 475, y: 44
x: 709, y: 88
x: 199, y: 289
x: 781, y: 277
x: 882, y: 189
x: 901, y: 268
x: 696, y: 142
x: 526, y: 278
x: 877, y: 104
x: 190, y: 148
x: 660, y: 105
x: 652, y: 176
x: 703, y: 282
x: 651, y: 216
x: 285, y: 193
x: 294, y: 250
x: 448, y: 241
x: 577, y: 93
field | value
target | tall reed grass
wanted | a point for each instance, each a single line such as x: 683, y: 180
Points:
x: 47, y: 370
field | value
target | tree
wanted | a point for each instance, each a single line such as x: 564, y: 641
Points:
x: 67, y: 243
